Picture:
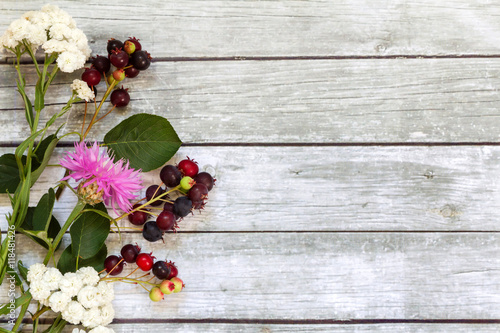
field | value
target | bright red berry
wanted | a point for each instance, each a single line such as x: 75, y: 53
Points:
x: 188, y: 167
x: 144, y: 261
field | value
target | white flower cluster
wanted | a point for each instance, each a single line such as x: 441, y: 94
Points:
x: 80, y: 297
x: 98, y: 329
x: 55, y: 31
x: 83, y: 90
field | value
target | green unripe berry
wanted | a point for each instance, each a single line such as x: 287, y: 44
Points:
x: 178, y: 284
x: 155, y: 294
x: 167, y: 287
x: 187, y: 182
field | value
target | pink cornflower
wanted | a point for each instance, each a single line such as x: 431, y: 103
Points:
x: 102, y: 179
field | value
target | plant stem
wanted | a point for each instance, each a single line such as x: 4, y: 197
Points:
x: 93, y: 121
x: 72, y: 217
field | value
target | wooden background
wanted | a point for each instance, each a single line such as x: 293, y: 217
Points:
x: 357, y: 150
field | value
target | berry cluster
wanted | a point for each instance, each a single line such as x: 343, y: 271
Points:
x: 191, y: 185
x: 166, y: 271
x: 128, y: 59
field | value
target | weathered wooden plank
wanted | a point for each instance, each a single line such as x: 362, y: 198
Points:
x: 303, y: 276
x: 327, y: 101
x: 192, y: 28
x: 334, y: 188
x: 265, y: 328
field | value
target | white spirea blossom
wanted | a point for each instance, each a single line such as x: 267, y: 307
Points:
x: 82, y: 90
x: 102, y: 329
x: 58, y: 301
x: 51, y: 278
x: 89, y: 276
x: 106, y: 292
x: 35, y: 272
x: 92, y: 318
x: 70, y: 284
x: 39, y: 290
x: 55, y: 31
x: 89, y: 297
x: 107, y: 314
x: 73, y: 313
x: 77, y: 330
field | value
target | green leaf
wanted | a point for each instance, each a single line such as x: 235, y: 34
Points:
x: 67, y: 262
x: 9, y: 173
x: 38, y: 235
x: 43, y: 211
x: 54, y: 227
x: 146, y: 140
x: 42, y: 156
x: 23, y: 270
x: 28, y: 107
x: 39, y: 97
x: 89, y: 232
x: 23, y: 299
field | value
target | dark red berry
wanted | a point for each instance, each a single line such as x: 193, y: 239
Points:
x: 131, y: 72
x: 102, y: 64
x: 113, y: 44
x: 138, y: 218
x: 91, y: 76
x: 173, y: 270
x: 168, y: 206
x: 182, y: 206
x: 118, y: 58
x: 166, y: 220
x: 141, y: 60
x: 154, y: 191
x: 161, y: 270
x: 144, y: 261
x: 151, y: 232
x: 120, y: 97
x: 188, y: 167
x: 199, y: 204
x: 170, y: 176
x: 130, y: 252
x: 113, y: 265
x: 205, y: 178
x: 198, y: 192
x: 136, y: 43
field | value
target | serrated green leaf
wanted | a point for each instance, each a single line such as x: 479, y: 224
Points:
x: 67, y: 262
x: 146, y: 141
x: 89, y: 232
x: 43, y: 211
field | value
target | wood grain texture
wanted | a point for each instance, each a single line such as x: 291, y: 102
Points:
x: 304, y: 276
x: 192, y: 28
x: 327, y: 101
x: 333, y: 188
x: 264, y: 328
